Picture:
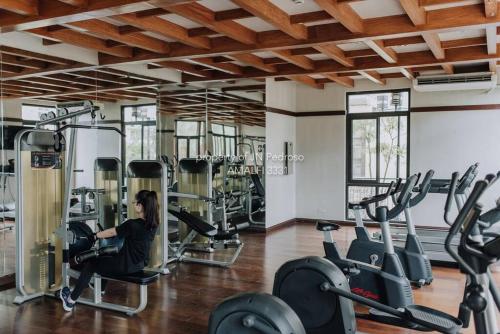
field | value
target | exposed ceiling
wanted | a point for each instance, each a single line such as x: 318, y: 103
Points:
x: 317, y: 42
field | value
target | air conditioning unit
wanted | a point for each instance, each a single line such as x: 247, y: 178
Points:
x: 467, y: 81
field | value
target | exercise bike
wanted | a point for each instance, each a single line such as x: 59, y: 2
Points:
x: 364, y: 248
x: 318, y: 292
x: 386, y: 283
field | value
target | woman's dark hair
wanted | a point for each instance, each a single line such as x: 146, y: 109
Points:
x: 149, y: 202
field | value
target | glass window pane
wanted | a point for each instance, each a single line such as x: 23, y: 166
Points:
x: 363, y: 151
x: 193, y: 148
x: 378, y: 102
x: 217, y: 129
x: 182, y: 148
x: 392, y: 148
x: 229, y: 130
x: 403, y: 147
x: 186, y: 128
x: 149, y: 143
x: 132, y: 143
x: 355, y: 193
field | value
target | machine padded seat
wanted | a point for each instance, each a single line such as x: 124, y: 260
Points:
x: 323, y: 225
x: 141, y: 277
x: 194, y: 222
x: 492, y: 247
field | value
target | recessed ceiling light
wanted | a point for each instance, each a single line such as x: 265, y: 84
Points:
x: 298, y: 2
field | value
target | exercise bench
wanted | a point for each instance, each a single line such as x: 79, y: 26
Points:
x: 141, y: 278
x: 200, y: 227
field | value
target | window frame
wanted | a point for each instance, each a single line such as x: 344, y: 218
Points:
x: 350, y: 117
x: 141, y: 123
x: 224, y: 136
x: 189, y: 138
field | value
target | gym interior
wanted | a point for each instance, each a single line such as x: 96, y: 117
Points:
x: 249, y: 166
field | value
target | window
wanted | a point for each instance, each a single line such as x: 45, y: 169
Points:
x: 224, y: 139
x: 31, y: 114
x: 377, y: 143
x: 139, y: 125
x: 190, y: 139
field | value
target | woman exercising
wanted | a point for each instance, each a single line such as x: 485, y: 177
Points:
x: 138, y: 234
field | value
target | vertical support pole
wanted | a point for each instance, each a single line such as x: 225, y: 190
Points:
x: 67, y: 195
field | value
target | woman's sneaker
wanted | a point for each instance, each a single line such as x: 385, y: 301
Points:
x: 65, y: 295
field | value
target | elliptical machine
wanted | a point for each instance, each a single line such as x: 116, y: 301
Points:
x: 364, y: 248
x: 319, y: 294
x: 386, y: 283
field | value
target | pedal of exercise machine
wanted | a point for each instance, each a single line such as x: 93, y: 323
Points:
x: 432, y: 318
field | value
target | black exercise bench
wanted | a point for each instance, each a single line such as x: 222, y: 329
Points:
x: 141, y: 278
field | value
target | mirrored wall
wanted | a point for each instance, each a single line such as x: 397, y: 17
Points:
x: 226, y: 127
x: 8, y: 129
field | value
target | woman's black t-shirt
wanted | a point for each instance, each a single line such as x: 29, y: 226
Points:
x: 137, y: 244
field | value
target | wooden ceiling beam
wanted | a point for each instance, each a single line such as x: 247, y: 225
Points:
x: 33, y: 55
x: 415, y: 12
x: 6, y: 68
x: 448, y: 68
x: 343, y: 13
x: 388, y: 54
x: 384, y: 28
x: 336, y: 53
x: 407, y: 59
x: 255, y: 61
x: 434, y: 43
x: 21, y: 7
x: 75, y: 3
x: 137, y: 39
x: 343, y: 81
x: 306, y: 80
x: 399, y: 41
x: 49, y: 83
x: 52, y: 12
x: 491, y: 39
x: 490, y: 8
x: 224, y: 67
x: 373, y: 76
x: 300, y: 61
x: 165, y: 28
x: 69, y: 36
x: 407, y: 73
x: 91, y: 92
x: 70, y: 79
x: 309, y: 17
x: 464, y: 42
x: 204, y: 16
x: 361, y: 53
x: 267, y: 11
x: 27, y: 63
x: 201, y: 31
x: 184, y: 67
x: 232, y: 14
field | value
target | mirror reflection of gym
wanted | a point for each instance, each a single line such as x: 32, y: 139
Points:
x: 222, y: 162
x: 8, y: 127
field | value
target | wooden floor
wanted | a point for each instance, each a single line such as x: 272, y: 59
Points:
x: 181, y: 302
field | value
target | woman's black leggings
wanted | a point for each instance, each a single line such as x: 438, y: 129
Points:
x: 105, y: 266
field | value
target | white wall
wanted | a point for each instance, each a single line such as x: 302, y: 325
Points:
x: 449, y: 142
x: 443, y: 141
x: 280, y: 189
x: 321, y: 176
